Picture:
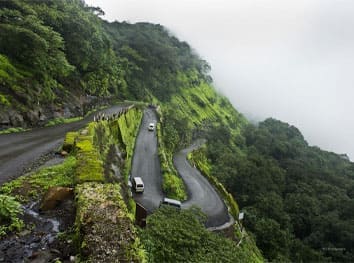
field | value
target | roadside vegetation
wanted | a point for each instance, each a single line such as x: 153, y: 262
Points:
x: 172, y: 184
x: 10, y: 210
x: 33, y: 186
x: 57, y: 121
x: 13, y: 130
x: 104, y: 226
x: 28, y: 188
x: 175, y: 235
x: 296, y: 198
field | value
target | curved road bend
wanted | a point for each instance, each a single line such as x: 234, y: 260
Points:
x: 200, y: 191
x: 146, y: 164
x: 19, y: 150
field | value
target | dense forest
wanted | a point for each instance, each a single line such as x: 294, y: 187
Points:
x: 54, y: 51
x: 298, y: 200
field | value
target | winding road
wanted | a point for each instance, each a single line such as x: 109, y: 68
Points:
x: 19, y: 151
x: 146, y: 164
x: 200, y: 192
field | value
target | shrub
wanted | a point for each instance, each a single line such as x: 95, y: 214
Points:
x: 9, y: 211
x: 174, y: 187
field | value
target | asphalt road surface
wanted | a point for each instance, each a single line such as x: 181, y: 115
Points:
x: 146, y: 164
x: 19, y: 151
x: 200, y: 191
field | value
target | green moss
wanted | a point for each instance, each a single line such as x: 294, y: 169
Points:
x: 13, y: 130
x: 128, y: 127
x: 69, y: 141
x: 89, y: 164
x: 33, y: 185
x: 106, y: 231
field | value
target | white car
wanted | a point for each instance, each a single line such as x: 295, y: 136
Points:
x: 138, y: 184
x: 151, y: 126
x: 171, y: 202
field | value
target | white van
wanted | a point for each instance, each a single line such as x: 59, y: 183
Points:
x: 151, y: 126
x: 138, y: 185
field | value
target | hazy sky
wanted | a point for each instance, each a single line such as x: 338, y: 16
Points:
x: 292, y: 60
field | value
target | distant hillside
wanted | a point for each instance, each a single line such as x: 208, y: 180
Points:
x: 298, y: 200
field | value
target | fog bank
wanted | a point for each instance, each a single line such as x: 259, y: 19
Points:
x: 292, y: 60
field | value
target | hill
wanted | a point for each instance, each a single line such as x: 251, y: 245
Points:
x: 58, y: 56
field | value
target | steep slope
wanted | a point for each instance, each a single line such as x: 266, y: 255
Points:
x: 56, y: 55
x: 297, y: 199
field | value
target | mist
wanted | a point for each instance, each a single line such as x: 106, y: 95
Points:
x: 291, y: 60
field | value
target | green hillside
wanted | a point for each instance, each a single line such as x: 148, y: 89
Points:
x: 58, y: 58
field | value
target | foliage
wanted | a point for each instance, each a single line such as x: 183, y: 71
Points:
x: 172, y: 184
x: 10, y: 209
x: 61, y: 120
x: 174, y: 187
x: 13, y: 130
x: 296, y: 198
x: 35, y: 184
x: 69, y: 141
x: 121, y: 132
x: 175, y: 235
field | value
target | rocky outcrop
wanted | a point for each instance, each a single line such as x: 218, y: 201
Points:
x: 54, y: 196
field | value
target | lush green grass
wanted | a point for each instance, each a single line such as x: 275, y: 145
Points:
x: 13, y: 130
x: 200, y: 104
x: 60, y: 120
x: 34, y: 185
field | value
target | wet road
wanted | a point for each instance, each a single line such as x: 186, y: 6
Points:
x: 146, y: 164
x: 19, y: 151
x: 200, y: 192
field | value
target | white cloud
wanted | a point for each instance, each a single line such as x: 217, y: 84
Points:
x: 292, y: 60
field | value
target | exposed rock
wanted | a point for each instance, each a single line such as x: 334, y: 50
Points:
x: 16, y: 119
x: 4, y: 118
x: 64, y: 153
x: 54, y: 196
x: 33, y: 116
x: 40, y: 257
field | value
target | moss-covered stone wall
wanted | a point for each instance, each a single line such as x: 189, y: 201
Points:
x: 104, y: 227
